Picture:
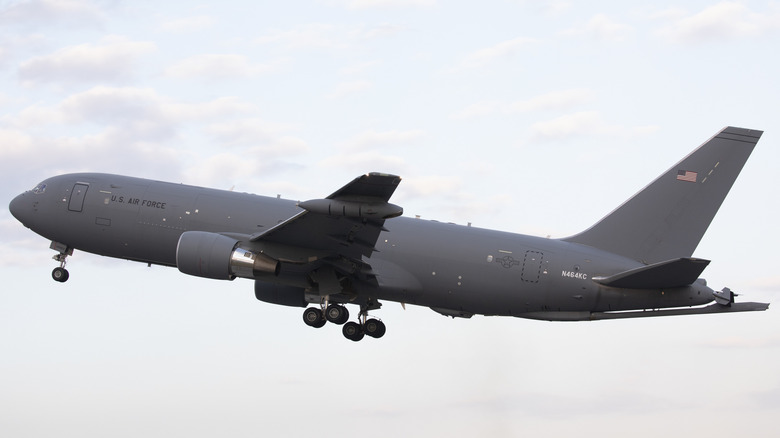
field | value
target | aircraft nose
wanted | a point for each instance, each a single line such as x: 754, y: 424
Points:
x: 19, y: 208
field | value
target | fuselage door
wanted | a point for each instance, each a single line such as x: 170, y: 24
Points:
x: 532, y: 266
x: 77, y: 197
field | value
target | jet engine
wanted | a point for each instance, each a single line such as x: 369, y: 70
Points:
x: 220, y: 257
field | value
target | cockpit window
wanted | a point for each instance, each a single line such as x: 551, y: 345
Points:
x: 40, y: 188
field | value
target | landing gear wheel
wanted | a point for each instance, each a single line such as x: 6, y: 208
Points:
x: 374, y: 328
x: 313, y: 317
x: 60, y: 274
x: 352, y: 331
x: 337, y: 314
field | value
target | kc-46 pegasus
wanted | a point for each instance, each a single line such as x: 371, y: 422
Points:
x: 353, y: 248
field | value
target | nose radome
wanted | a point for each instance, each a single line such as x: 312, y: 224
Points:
x: 17, y: 207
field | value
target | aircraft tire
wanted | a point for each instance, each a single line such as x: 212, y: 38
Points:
x: 352, y: 331
x: 337, y: 314
x: 375, y: 328
x: 60, y: 274
x: 313, y: 317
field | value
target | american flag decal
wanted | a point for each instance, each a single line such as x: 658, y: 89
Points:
x: 686, y: 175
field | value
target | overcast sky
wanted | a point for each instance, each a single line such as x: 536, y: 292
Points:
x: 536, y: 117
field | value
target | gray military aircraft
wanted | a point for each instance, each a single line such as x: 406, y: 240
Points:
x: 352, y: 248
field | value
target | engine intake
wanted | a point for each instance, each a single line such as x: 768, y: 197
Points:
x: 213, y: 255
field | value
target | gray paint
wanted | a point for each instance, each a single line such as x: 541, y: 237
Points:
x: 668, y: 218
x: 352, y: 254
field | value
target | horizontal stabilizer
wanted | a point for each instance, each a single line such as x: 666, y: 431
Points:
x: 668, y: 274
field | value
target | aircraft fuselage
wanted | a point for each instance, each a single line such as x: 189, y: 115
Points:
x: 457, y: 270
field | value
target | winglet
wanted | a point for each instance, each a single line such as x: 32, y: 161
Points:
x: 373, y: 186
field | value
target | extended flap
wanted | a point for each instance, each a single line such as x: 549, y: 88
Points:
x: 667, y: 274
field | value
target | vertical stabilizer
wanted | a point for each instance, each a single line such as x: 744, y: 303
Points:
x: 668, y: 218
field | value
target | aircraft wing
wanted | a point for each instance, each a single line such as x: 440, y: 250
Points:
x: 346, y: 223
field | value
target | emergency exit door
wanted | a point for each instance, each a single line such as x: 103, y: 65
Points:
x: 532, y: 266
x: 77, y: 197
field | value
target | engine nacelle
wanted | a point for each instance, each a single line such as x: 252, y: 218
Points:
x: 213, y: 255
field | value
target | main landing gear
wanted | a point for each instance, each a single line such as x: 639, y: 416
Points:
x: 61, y: 274
x: 338, y: 314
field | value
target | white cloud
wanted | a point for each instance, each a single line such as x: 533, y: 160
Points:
x: 15, y: 143
x: 455, y: 197
x: 430, y: 186
x: 347, y: 88
x: 12, y: 46
x: 222, y: 170
x: 113, y: 105
x: 584, y: 123
x: 188, y: 24
x: 359, y: 68
x: 266, y: 139
x: 34, y: 12
x: 672, y: 13
x: 381, y: 4
x: 378, y: 31
x: 374, y: 151
x: 386, y: 140
x: 125, y: 105
x: 219, y: 107
x: 548, y: 7
x: 138, y: 131
x: 602, y: 28
x: 562, y: 99
x: 721, y: 21
x: 555, y: 100
x: 113, y: 59
x: 482, y: 57
x: 479, y: 109
x: 557, y: 7
x: 306, y: 36
x: 4, y: 55
x: 218, y: 66
x: 363, y: 162
x: 112, y: 149
x: 326, y: 36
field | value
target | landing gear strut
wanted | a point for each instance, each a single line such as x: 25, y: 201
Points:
x: 61, y: 274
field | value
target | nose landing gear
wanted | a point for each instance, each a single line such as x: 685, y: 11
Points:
x: 61, y: 274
